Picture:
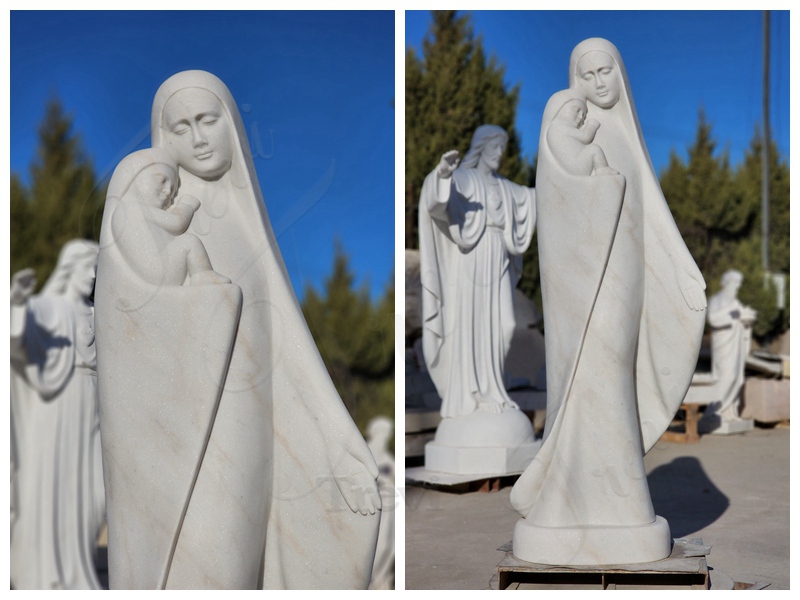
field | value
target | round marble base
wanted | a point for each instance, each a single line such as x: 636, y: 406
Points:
x: 480, y: 429
x: 592, y: 545
x: 482, y: 443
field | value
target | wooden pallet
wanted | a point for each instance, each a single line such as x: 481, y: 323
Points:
x: 685, y: 568
x: 688, y: 424
x: 458, y: 484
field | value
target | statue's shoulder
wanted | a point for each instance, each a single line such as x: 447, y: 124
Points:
x: 515, y: 188
x: 465, y: 180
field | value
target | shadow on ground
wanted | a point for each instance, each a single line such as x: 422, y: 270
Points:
x: 683, y: 494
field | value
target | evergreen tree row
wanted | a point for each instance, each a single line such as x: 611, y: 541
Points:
x: 718, y: 212
x: 356, y: 340
x: 63, y: 201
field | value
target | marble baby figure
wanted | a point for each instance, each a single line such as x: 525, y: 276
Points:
x: 150, y: 228
x: 570, y: 137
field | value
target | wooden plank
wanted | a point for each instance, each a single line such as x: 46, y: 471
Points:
x: 689, y: 435
x: 685, y: 568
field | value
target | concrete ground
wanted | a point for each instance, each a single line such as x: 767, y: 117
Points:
x: 733, y: 492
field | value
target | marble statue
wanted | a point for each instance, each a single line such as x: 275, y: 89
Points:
x: 623, y: 311
x: 230, y: 460
x: 474, y: 226
x: 57, y: 496
x: 731, y: 325
x: 379, y: 433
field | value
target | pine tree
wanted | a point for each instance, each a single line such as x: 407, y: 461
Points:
x: 63, y: 201
x: 718, y: 212
x: 451, y: 91
x: 747, y: 181
x: 708, y: 211
x: 356, y: 341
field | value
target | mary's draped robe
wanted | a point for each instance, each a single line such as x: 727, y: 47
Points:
x: 621, y: 344
x: 237, y: 400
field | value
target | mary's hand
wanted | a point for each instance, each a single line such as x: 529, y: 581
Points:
x: 692, y: 291
x: 355, y: 475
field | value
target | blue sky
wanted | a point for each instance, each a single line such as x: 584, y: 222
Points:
x: 315, y: 90
x: 677, y: 61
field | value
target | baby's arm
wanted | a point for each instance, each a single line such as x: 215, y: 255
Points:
x: 176, y: 218
x: 586, y: 134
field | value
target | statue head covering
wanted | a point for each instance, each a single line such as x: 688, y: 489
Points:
x: 620, y: 122
x: 482, y: 136
x: 553, y: 107
x: 72, y: 254
x: 129, y: 168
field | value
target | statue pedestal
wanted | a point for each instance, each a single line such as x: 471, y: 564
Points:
x: 479, y: 460
x: 482, y: 443
x: 726, y: 426
x: 600, y: 545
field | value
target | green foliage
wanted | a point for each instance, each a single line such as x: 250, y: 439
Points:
x: 63, y: 201
x: 718, y: 211
x: 451, y: 91
x: 356, y: 340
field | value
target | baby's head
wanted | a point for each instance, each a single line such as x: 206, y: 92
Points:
x: 151, y: 175
x: 573, y: 113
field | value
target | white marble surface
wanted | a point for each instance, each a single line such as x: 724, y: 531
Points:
x: 230, y: 460
x: 57, y: 496
x: 379, y: 433
x: 474, y: 226
x: 623, y: 310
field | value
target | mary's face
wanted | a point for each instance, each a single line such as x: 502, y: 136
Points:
x: 599, y: 79
x: 198, y: 133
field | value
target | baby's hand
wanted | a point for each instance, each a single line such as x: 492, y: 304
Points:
x: 191, y: 202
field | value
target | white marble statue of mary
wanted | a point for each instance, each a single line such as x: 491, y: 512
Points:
x: 623, y: 310
x: 474, y: 226
x: 230, y: 460
x: 57, y: 497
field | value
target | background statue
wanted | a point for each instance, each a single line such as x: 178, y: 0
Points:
x: 623, y: 302
x: 731, y: 327
x: 231, y: 461
x: 57, y: 497
x: 474, y: 226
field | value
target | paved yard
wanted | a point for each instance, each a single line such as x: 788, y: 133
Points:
x: 731, y: 491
